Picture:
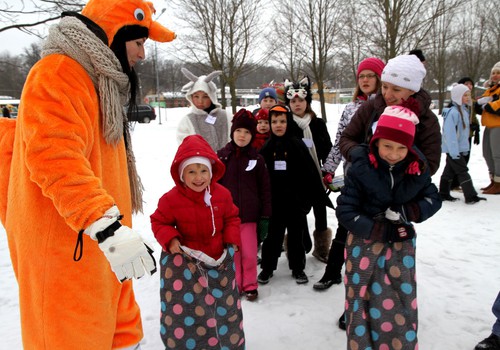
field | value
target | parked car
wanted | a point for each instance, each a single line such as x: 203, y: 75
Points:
x: 141, y: 114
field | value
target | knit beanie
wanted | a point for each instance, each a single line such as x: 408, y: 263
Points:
x: 112, y: 15
x: 372, y: 63
x: 194, y: 160
x: 268, y: 92
x: 496, y: 67
x: 262, y: 114
x: 244, y: 119
x: 301, y: 89
x: 396, y: 124
x: 457, y: 91
x: 405, y: 71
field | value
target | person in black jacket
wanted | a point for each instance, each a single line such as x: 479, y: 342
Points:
x: 314, y: 133
x: 295, y: 188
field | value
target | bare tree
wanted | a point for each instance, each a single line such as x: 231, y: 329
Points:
x: 223, y: 35
x: 29, y: 15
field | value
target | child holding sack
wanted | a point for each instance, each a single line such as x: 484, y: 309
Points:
x: 456, y: 130
x: 295, y: 187
x: 247, y: 178
x: 197, y: 225
x: 386, y: 188
x: 206, y: 116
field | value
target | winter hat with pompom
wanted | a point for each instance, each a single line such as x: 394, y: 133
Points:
x: 244, y: 119
x: 371, y: 63
x: 457, y: 91
x: 405, y: 71
x: 397, y: 124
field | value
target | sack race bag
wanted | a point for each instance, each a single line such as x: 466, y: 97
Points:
x: 200, y: 302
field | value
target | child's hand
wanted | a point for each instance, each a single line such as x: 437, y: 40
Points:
x: 235, y: 247
x: 175, y: 246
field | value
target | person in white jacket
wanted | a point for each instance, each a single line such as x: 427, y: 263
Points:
x: 206, y: 116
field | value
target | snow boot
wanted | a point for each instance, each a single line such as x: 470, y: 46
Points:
x: 490, y: 185
x: 444, y: 190
x: 495, y: 188
x: 322, y: 241
x: 490, y: 343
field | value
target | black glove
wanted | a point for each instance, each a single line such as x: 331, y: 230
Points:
x: 400, y: 232
x: 263, y: 228
x: 476, y: 138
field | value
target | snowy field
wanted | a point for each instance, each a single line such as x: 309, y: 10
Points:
x: 458, y: 251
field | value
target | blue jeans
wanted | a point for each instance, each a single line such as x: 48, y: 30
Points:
x: 496, y: 312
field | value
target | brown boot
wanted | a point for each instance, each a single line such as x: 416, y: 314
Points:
x: 495, y: 187
x: 322, y: 242
x: 490, y: 185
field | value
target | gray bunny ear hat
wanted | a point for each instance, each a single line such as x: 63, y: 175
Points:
x: 202, y: 83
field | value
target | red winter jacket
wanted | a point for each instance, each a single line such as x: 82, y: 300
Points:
x: 182, y: 212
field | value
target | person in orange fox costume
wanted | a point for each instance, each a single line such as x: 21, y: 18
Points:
x: 68, y: 183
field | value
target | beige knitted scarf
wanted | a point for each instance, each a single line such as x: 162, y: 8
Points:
x: 71, y: 37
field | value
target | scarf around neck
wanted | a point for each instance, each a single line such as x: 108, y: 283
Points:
x: 303, y: 123
x: 72, y: 38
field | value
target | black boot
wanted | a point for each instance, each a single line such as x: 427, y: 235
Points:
x: 444, y: 190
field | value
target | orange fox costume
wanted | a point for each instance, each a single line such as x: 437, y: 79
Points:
x: 58, y: 175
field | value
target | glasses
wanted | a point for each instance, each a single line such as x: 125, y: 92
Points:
x: 292, y: 93
x: 368, y: 76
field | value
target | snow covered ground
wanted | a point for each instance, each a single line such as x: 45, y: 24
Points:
x: 458, y: 251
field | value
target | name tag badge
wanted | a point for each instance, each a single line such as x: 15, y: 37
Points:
x: 210, y: 119
x: 309, y: 142
x: 279, y: 165
x: 251, y: 164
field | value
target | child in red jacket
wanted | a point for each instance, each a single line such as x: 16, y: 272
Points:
x: 198, y: 227
x: 247, y: 178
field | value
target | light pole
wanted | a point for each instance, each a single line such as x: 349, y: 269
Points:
x: 156, y: 74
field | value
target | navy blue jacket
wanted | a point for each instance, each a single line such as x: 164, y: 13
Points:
x: 370, y: 190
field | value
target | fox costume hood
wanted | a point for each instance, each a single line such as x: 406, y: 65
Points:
x: 65, y: 161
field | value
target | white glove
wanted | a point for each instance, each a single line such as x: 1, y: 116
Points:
x: 484, y: 100
x: 128, y: 255
x: 392, y: 215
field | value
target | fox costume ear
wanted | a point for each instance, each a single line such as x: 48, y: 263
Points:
x: 112, y: 15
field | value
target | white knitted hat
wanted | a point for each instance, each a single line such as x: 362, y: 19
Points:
x: 194, y: 160
x: 496, y: 66
x: 405, y: 71
x: 457, y: 91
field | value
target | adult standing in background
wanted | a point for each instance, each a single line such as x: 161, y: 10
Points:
x: 5, y: 112
x: 75, y: 182
x: 489, y: 108
x: 401, y: 85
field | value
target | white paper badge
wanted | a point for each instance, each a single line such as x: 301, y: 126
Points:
x: 251, y: 164
x: 210, y: 119
x: 279, y: 165
x: 309, y: 142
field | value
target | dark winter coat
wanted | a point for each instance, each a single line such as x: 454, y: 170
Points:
x: 247, y: 178
x: 183, y: 214
x: 299, y: 185
x: 370, y: 190
x: 321, y: 137
x: 428, y: 134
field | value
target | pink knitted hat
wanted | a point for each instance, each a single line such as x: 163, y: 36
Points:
x: 373, y: 64
x: 396, y: 124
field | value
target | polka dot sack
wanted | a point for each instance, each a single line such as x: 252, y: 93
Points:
x: 200, y: 305
x: 381, y: 298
